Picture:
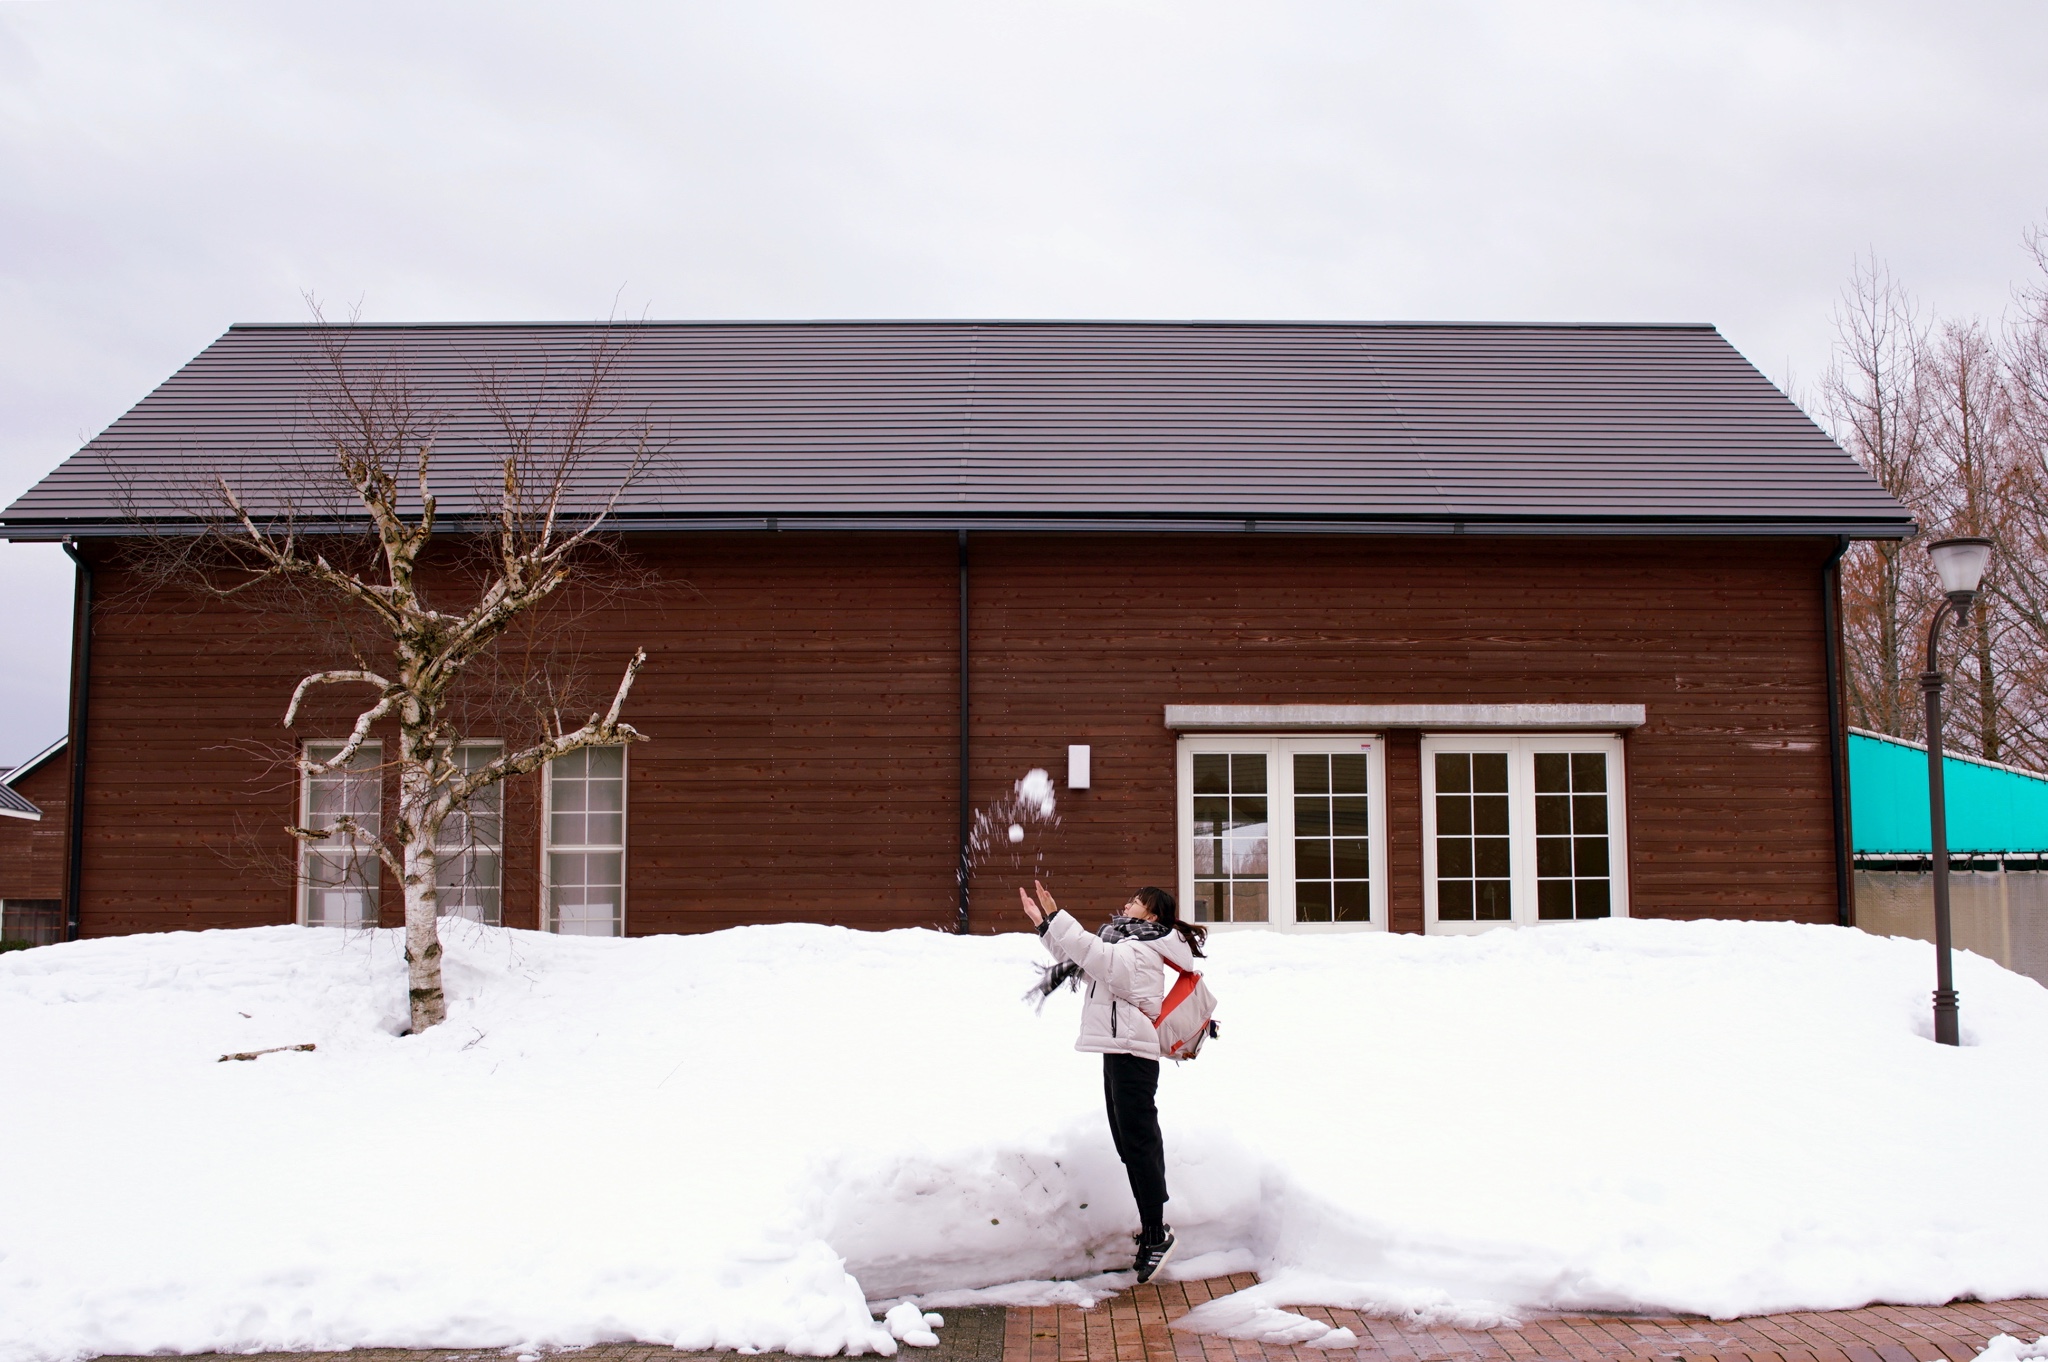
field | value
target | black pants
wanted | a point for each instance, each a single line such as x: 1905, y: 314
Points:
x: 1130, y: 1087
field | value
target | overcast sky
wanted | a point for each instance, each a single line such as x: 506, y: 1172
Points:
x: 166, y: 170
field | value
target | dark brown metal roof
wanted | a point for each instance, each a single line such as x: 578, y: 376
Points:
x: 1380, y: 426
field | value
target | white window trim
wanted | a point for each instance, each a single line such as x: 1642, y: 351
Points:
x: 374, y: 750
x: 1521, y: 750
x: 1279, y: 847
x: 548, y: 845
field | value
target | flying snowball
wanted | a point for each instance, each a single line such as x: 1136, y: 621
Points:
x: 1016, y: 832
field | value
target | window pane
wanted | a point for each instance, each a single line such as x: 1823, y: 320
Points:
x: 1490, y: 815
x: 1553, y: 815
x: 1348, y: 773
x: 1248, y: 901
x: 1354, y: 901
x: 1589, y: 857
x: 1554, y: 857
x: 1312, y: 817
x: 1454, y: 772
x: 1311, y: 773
x: 1589, y: 770
x: 1553, y: 773
x: 1248, y: 773
x: 1490, y: 772
x: 1312, y: 903
x: 1454, y: 900
x: 1589, y: 813
x: 1212, y: 773
x: 1593, y: 898
x: 1490, y: 858
x: 1554, y: 899
x: 1245, y: 853
x: 1454, y: 815
x: 1348, y: 858
x: 1348, y: 816
x: 1311, y: 862
x: 1491, y: 900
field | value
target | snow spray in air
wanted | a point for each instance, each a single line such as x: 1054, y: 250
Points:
x: 1028, y: 808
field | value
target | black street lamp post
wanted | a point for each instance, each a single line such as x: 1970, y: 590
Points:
x: 1960, y: 563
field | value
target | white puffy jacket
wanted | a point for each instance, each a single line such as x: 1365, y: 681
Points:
x: 1127, y: 981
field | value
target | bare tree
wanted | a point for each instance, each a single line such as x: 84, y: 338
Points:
x: 1967, y: 413
x: 1872, y: 398
x: 2021, y: 582
x: 344, y: 533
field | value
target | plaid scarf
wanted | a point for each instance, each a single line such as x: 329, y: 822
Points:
x: 1118, y: 928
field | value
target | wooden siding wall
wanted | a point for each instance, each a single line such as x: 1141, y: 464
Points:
x: 801, y: 698
x: 32, y: 852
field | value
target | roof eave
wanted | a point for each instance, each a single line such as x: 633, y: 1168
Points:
x: 51, y: 530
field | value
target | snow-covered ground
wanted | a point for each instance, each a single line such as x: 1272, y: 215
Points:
x: 750, y: 1138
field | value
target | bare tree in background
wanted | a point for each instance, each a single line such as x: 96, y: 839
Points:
x: 2021, y: 583
x: 1952, y: 417
x: 342, y: 536
x: 1872, y: 397
x: 1968, y: 440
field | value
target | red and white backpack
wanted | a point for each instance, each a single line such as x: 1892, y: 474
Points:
x: 1187, y: 1017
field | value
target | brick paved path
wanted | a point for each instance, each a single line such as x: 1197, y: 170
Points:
x: 1133, y: 1327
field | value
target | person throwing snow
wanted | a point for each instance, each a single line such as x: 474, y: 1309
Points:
x: 1125, y: 966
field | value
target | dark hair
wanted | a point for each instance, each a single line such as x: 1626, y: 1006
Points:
x: 1162, y: 906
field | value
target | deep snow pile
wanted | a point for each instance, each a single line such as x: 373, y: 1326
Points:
x: 745, y: 1138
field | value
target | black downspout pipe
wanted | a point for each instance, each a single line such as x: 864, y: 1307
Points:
x: 81, y: 702
x: 1838, y: 754
x: 966, y: 811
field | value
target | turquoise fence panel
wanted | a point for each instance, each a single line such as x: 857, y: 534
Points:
x: 1990, y: 809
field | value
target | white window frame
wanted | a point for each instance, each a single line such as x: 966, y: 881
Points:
x: 473, y: 845
x: 1522, y: 749
x: 1278, y: 749
x: 549, y: 846
x: 373, y: 754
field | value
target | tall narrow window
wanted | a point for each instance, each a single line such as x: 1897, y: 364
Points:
x: 586, y: 853
x: 338, y: 875
x: 471, y: 846
x: 1572, y: 879
x: 1521, y: 829
x: 1474, y: 872
x: 1286, y: 830
x: 1332, y: 837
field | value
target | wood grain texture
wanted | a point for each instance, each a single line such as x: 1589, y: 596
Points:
x: 32, y: 853
x: 800, y: 695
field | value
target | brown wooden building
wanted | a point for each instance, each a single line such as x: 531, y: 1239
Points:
x: 34, y: 802
x: 1411, y: 627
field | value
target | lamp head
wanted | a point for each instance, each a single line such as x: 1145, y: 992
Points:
x: 1960, y: 564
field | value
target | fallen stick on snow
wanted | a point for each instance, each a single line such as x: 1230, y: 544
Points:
x: 251, y: 1054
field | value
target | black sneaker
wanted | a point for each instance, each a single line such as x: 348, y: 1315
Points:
x: 1152, y: 1257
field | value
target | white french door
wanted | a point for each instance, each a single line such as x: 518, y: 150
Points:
x: 1285, y: 831
x: 1522, y: 829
